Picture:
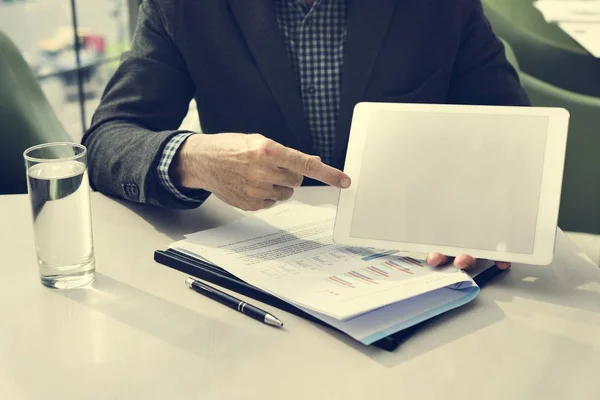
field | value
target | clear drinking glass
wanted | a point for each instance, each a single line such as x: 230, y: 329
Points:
x: 59, y: 190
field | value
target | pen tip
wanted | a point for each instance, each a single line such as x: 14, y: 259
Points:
x: 271, y: 320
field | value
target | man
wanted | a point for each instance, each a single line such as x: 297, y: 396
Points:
x: 288, y: 71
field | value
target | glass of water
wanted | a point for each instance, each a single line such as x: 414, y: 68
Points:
x: 59, y: 190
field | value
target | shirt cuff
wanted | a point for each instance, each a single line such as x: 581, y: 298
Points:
x: 165, y: 163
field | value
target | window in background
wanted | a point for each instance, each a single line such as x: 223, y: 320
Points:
x: 44, y: 31
x: 107, y: 25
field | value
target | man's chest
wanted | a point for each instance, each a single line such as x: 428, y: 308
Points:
x: 252, y: 73
x: 223, y: 41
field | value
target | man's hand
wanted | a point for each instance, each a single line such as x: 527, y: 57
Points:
x: 463, y: 261
x: 248, y: 171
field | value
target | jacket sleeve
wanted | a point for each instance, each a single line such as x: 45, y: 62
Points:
x: 142, y: 106
x: 482, y: 75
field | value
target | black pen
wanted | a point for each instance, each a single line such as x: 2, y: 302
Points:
x: 232, y: 302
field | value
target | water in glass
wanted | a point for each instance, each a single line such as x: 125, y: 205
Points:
x: 60, y: 200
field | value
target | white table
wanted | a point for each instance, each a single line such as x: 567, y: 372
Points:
x: 140, y: 333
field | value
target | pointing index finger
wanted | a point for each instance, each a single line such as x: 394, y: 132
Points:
x: 313, y: 167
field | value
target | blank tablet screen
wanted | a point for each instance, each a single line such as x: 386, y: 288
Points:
x: 459, y: 180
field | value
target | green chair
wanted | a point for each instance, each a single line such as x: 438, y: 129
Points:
x: 26, y: 117
x: 580, y: 200
x: 522, y: 13
x: 544, y: 53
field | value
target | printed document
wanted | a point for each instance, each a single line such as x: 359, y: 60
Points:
x: 289, y: 252
x: 586, y: 34
x: 569, y: 10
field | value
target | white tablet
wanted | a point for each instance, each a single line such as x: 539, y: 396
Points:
x: 481, y: 180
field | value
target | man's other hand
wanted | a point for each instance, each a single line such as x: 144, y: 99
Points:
x: 248, y: 171
x: 463, y: 261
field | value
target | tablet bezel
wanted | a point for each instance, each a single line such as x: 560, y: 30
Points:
x: 550, y: 191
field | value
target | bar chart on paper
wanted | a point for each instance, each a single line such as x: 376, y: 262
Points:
x: 291, y: 254
x: 390, y: 268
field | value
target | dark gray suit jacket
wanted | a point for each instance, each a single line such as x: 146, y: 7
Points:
x: 229, y: 56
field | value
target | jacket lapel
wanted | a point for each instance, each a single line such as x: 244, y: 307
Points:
x: 368, y: 22
x: 258, y: 23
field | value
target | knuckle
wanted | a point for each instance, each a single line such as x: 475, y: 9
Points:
x: 291, y: 179
x: 288, y: 194
x: 276, y: 195
x: 297, y: 180
x: 256, y: 136
x: 256, y: 205
x: 250, y: 205
x: 311, y: 164
x: 255, y: 143
x: 282, y: 193
x: 266, y: 148
x: 256, y: 139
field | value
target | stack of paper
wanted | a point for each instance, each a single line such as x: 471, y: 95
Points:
x: 586, y: 34
x: 288, y: 251
x: 578, y: 18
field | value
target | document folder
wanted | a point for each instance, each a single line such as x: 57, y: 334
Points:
x: 218, y: 276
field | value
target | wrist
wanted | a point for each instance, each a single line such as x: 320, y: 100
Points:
x: 185, y: 170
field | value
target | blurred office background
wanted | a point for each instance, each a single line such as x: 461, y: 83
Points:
x: 44, y: 32
x: 554, y: 44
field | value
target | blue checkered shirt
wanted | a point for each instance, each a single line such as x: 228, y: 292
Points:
x: 314, y: 38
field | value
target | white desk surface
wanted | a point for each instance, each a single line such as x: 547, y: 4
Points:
x: 138, y: 332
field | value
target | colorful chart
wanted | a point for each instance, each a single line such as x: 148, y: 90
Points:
x: 398, y: 268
